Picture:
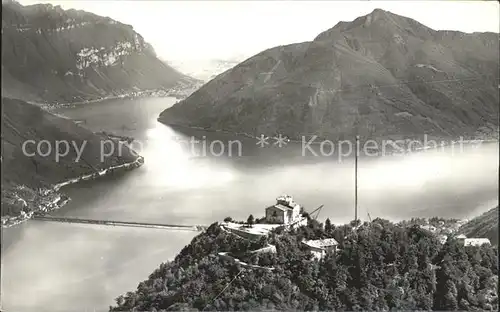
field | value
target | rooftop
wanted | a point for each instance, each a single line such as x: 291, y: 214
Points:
x: 476, y: 241
x: 285, y: 198
x: 281, y: 207
x: 256, y: 229
x: 288, y: 200
x: 321, y: 243
x: 428, y: 227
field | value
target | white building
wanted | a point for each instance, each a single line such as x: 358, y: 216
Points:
x: 472, y: 241
x: 320, y: 247
x: 285, y: 211
x: 476, y: 241
x: 429, y: 228
x: 267, y: 249
x: 442, y: 239
x: 461, y: 238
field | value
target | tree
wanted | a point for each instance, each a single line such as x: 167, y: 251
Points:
x: 328, y: 226
x: 120, y: 300
x: 445, y: 297
x: 250, y: 220
x: 228, y: 219
x: 382, y: 266
x: 263, y: 241
x: 355, y: 223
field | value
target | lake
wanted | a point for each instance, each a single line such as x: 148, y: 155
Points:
x: 69, y: 267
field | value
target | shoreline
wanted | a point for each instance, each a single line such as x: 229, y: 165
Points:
x: 59, y: 199
x: 132, y: 95
x: 244, y: 134
x: 177, y: 92
x: 45, y: 200
x: 91, y: 176
x: 391, y: 151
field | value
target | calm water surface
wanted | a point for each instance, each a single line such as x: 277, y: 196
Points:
x: 68, y: 267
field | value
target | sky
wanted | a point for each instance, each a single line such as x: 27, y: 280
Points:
x: 203, y: 30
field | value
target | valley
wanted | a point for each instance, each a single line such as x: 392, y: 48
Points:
x: 113, y: 157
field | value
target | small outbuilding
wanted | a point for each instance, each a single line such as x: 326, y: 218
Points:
x: 320, y: 247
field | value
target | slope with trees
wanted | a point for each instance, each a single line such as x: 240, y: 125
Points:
x: 30, y: 169
x: 380, y: 266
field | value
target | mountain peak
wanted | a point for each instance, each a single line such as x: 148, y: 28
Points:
x: 355, y: 76
x: 379, y: 12
x: 375, y: 15
x: 385, y: 21
x: 362, y: 21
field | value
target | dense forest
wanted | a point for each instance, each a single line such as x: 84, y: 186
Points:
x: 379, y: 266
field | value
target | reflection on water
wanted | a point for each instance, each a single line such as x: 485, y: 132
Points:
x: 468, y: 169
x: 73, y: 267
x: 172, y: 165
x: 80, y: 266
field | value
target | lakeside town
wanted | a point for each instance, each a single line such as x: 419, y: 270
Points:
x: 44, y: 200
x: 180, y: 91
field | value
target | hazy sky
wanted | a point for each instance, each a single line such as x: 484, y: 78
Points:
x: 190, y: 30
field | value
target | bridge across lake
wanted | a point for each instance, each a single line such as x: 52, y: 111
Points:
x: 197, y: 228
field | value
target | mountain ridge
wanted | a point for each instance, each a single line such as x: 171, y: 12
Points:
x: 373, y: 76
x: 72, y: 55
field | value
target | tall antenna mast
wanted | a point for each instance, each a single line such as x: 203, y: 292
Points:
x: 356, y: 181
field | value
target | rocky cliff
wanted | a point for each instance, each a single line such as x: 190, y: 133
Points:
x: 58, y: 55
x: 381, y: 75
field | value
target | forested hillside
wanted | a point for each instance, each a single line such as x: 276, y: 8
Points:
x: 381, y: 266
x: 26, y: 173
